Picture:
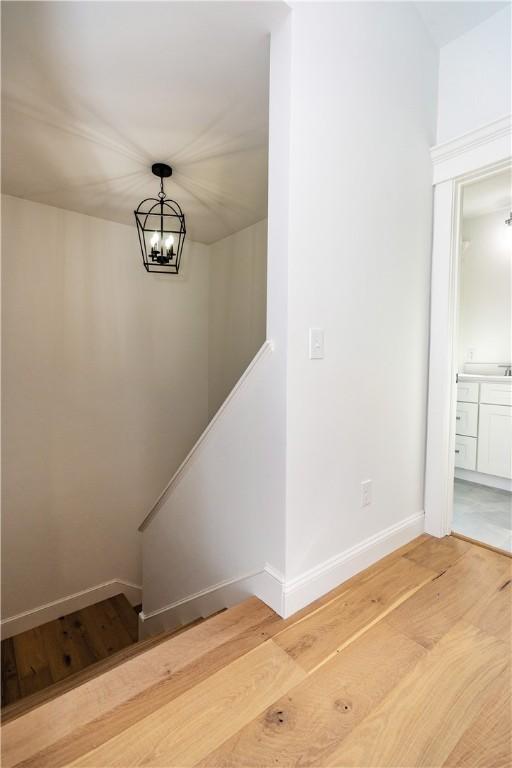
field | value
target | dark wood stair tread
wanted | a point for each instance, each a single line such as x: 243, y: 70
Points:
x: 92, y: 670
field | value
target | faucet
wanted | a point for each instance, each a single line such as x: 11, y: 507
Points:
x: 508, y: 369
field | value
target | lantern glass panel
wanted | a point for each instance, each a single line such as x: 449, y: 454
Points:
x: 161, y: 227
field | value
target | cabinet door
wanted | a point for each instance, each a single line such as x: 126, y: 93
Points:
x: 496, y: 394
x: 467, y: 419
x: 495, y: 440
x: 465, y: 452
x: 467, y: 391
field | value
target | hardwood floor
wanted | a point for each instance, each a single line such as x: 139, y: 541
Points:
x: 37, y: 658
x: 405, y: 665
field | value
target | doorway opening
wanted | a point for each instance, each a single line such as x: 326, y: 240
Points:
x: 457, y: 165
x: 482, y: 491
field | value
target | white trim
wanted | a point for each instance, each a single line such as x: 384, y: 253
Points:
x: 145, y: 616
x: 475, y: 155
x: 267, y: 584
x: 473, y: 150
x: 13, y: 625
x: 285, y: 598
x: 268, y: 346
x: 491, y: 481
x: 440, y: 449
x: 312, y: 584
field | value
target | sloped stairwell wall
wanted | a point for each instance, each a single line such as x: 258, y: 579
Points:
x: 211, y: 538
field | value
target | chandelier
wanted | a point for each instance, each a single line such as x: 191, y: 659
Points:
x: 161, y: 228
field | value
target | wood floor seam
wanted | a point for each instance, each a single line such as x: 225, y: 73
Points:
x: 366, y: 628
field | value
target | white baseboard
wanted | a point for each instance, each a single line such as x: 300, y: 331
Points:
x: 13, y: 625
x: 265, y: 584
x: 312, y: 584
x: 491, y: 481
x: 269, y: 585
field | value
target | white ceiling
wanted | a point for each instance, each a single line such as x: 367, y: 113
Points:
x: 493, y: 193
x: 95, y: 92
x: 447, y: 21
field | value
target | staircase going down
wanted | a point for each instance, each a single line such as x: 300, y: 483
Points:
x: 43, y: 663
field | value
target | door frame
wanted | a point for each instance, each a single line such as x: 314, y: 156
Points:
x: 477, y: 154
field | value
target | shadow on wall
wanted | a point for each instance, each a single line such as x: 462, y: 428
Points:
x: 237, y: 308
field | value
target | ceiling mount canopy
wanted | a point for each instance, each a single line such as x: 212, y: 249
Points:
x: 161, y: 228
x: 162, y: 170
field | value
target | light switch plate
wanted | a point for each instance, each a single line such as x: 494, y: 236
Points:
x: 366, y: 493
x: 316, y: 343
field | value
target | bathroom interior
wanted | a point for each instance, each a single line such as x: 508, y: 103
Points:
x: 482, y: 507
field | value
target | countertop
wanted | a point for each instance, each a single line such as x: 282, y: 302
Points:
x: 480, y: 377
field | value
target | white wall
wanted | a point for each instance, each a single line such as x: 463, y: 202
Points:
x: 237, y: 307
x: 363, y: 111
x: 485, y: 312
x: 216, y: 524
x: 475, y: 77
x: 104, y: 391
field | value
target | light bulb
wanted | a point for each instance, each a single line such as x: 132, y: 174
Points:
x: 154, y: 239
x: 169, y: 242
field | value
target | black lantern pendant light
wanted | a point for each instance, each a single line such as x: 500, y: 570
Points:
x: 161, y: 228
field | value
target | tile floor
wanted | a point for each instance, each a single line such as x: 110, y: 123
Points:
x: 483, y: 514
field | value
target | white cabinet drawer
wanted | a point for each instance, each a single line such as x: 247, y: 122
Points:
x: 467, y: 391
x: 495, y: 440
x: 467, y: 419
x: 465, y: 452
x: 496, y: 394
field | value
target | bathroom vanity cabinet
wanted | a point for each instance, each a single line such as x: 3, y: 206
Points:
x: 483, y: 442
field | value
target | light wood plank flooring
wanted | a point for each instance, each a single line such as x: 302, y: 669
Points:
x: 405, y: 665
